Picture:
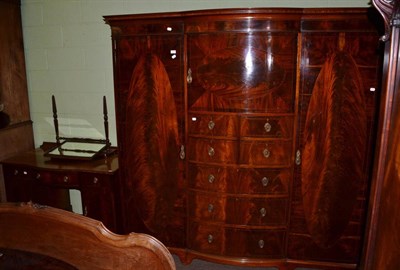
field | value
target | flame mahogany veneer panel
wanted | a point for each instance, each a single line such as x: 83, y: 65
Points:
x: 246, y: 136
x: 336, y: 134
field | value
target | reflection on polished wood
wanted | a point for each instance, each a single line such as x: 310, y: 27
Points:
x: 237, y: 143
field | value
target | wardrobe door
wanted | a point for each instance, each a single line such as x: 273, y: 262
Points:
x: 148, y: 60
x: 339, y: 76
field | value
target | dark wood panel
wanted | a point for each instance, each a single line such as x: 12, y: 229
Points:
x: 266, y: 153
x: 13, y: 84
x: 267, y: 126
x: 152, y: 151
x: 213, y: 124
x: 242, y: 72
x: 16, y: 134
x: 213, y: 150
x: 317, y: 48
x: 238, y: 210
x: 245, y: 81
x: 212, y: 239
x: 239, y: 181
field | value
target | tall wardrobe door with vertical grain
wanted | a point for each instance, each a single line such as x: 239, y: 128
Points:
x: 153, y: 143
x: 336, y: 121
x: 150, y: 124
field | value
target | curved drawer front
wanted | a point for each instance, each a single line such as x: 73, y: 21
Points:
x: 213, y: 151
x: 238, y: 210
x: 212, y: 178
x: 213, y: 239
x: 239, y: 181
x: 213, y: 125
x: 266, y: 126
x: 263, y: 181
x: 266, y: 153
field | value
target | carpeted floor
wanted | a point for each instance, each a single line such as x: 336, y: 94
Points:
x: 202, y: 265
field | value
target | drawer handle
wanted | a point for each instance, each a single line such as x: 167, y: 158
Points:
x: 210, y: 238
x: 16, y: 172
x: 66, y: 179
x: 38, y: 176
x: 211, y: 125
x: 211, y: 151
x: 210, y: 208
x: 263, y: 212
x: 211, y: 178
x: 261, y: 243
x: 298, y: 157
x: 267, y: 127
x: 265, y: 181
x: 85, y: 211
x: 95, y: 180
x: 182, y: 154
x: 266, y: 153
x: 189, y: 77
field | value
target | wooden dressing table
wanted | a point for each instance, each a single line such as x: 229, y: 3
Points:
x: 31, y: 176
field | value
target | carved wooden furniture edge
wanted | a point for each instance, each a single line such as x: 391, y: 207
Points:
x: 390, y: 11
x: 127, y: 243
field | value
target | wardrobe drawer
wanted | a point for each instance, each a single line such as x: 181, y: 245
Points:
x: 253, y: 211
x: 206, y: 238
x: 266, y: 153
x: 236, y: 242
x: 212, y: 178
x: 266, y: 126
x: 213, y: 125
x: 212, y: 151
x: 263, y: 181
x: 239, y: 181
